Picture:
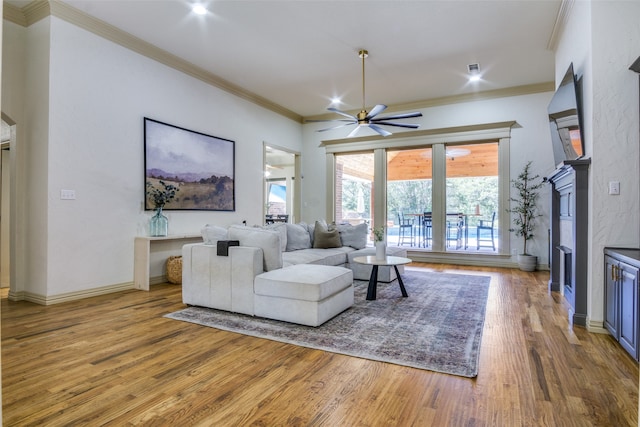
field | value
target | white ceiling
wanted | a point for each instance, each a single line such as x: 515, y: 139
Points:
x: 299, y: 54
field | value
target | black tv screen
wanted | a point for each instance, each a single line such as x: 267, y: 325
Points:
x: 565, y: 121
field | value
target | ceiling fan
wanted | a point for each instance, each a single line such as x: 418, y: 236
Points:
x: 369, y: 119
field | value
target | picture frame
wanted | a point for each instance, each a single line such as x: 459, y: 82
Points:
x: 200, y: 166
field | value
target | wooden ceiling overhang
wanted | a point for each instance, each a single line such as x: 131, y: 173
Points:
x: 414, y: 161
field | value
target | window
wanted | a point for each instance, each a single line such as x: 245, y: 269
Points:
x: 442, y: 192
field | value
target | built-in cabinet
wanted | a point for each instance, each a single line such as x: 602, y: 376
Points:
x: 622, y: 271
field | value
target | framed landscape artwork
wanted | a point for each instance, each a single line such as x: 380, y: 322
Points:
x: 201, y: 166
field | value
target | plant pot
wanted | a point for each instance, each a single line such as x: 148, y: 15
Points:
x: 527, y: 262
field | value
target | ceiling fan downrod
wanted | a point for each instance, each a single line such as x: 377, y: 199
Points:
x: 363, y: 53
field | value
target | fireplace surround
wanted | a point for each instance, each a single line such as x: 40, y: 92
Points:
x: 568, y: 239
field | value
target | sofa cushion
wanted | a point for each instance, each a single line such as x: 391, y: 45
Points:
x: 326, y: 237
x: 304, y: 282
x: 212, y: 233
x: 281, y: 228
x: 267, y: 240
x: 354, y: 235
x: 333, y: 256
x: 298, y: 237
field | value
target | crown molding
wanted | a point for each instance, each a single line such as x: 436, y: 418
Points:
x: 456, y: 99
x: 27, y: 15
x: 13, y: 14
x: 38, y: 10
x: 560, y: 24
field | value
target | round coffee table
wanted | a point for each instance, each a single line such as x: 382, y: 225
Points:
x: 394, y: 261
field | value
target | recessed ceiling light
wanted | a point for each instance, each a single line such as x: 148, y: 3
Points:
x: 199, y: 9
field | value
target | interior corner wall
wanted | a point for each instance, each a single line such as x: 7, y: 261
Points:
x: 531, y: 140
x: 85, y: 133
x: 602, y: 39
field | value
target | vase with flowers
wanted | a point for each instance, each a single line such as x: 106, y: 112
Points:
x: 381, y: 246
x: 159, y: 224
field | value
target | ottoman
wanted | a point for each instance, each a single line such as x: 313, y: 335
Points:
x: 385, y: 274
x: 306, y: 294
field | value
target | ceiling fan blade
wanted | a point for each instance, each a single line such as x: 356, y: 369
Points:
x: 354, y: 132
x: 401, y: 116
x: 379, y: 130
x: 400, y: 125
x: 329, y: 120
x: 376, y: 110
x: 342, y: 113
x: 339, y: 126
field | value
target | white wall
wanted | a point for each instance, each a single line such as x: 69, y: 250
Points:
x: 86, y: 134
x: 602, y: 39
x: 530, y: 141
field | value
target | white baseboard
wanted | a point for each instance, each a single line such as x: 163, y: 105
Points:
x: 71, y: 296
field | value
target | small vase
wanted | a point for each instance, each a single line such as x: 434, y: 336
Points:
x: 381, y: 250
x: 158, y: 224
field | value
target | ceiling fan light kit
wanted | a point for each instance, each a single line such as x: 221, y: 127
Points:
x: 369, y: 119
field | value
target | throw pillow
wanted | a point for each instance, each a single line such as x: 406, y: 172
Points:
x: 324, y: 238
x: 267, y: 240
x: 354, y: 235
x: 212, y: 233
x: 312, y: 228
x: 298, y: 237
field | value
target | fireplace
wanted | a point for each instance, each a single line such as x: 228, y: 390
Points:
x: 569, y: 244
x: 566, y: 271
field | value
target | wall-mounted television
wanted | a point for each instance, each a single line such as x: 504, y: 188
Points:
x: 565, y: 120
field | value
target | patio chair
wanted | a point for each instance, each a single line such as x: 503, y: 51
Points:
x: 455, y: 227
x: 485, y: 224
x: 426, y: 228
x: 283, y: 218
x: 406, y: 226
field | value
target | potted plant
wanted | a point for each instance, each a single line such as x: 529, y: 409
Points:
x: 524, y: 208
x: 378, y: 239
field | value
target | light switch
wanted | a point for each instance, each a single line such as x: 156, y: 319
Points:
x: 614, y: 187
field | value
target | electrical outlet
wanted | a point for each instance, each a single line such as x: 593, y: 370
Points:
x: 67, y: 194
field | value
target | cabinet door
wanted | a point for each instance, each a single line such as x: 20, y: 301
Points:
x: 628, y: 282
x: 611, y: 319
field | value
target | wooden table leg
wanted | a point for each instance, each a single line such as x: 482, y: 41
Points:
x: 373, y: 283
x: 402, y: 289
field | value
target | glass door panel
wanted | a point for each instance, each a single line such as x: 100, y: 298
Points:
x: 354, y: 189
x: 409, y: 197
x: 472, y: 197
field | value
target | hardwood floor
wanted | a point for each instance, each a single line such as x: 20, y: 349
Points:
x: 114, y: 360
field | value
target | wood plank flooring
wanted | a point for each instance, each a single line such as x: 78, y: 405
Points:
x: 114, y: 360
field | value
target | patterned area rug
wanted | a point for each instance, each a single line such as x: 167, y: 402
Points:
x: 437, y: 328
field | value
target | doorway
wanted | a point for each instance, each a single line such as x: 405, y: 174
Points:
x: 281, y: 187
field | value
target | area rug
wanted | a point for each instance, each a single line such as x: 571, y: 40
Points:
x: 437, y: 328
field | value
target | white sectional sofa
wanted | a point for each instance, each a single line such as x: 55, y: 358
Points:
x: 292, y: 272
